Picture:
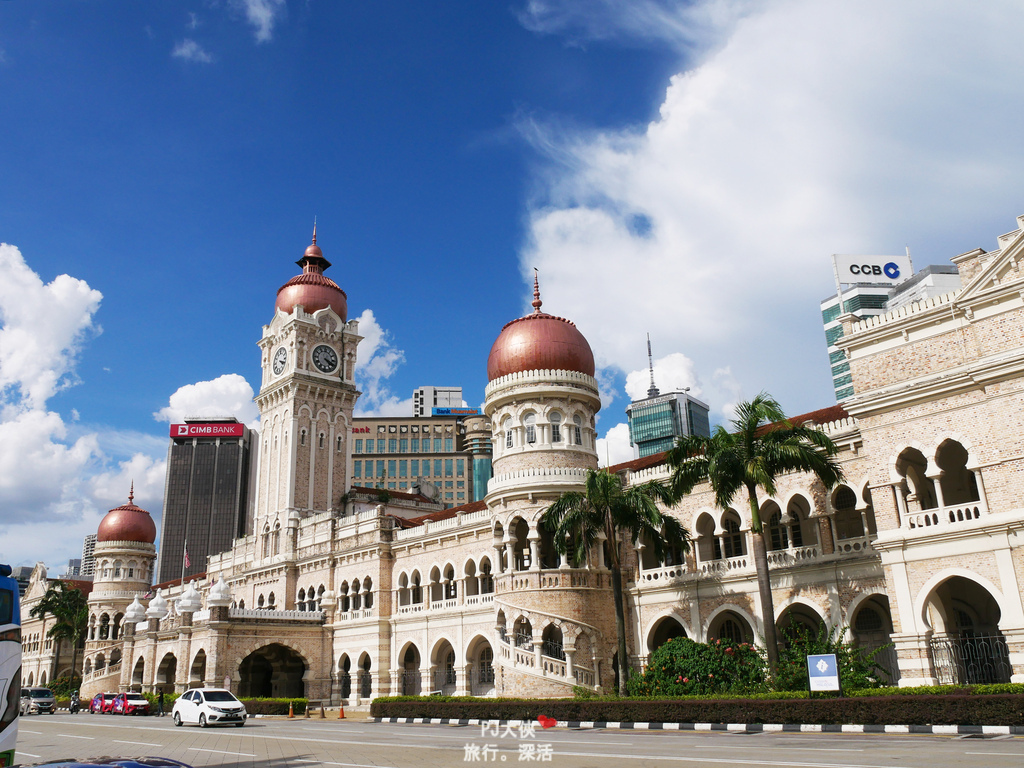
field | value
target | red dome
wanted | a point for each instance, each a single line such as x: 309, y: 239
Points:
x: 127, y: 523
x: 539, y: 341
x: 311, y: 289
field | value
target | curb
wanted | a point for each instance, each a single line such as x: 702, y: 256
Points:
x: 947, y: 730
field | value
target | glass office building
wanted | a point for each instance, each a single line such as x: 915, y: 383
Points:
x: 655, y: 422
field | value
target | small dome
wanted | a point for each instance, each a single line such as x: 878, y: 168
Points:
x: 157, y: 606
x: 135, y: 613
x: 220, y: 595
x: 311, y: 289
x: 190, y: 601
x: 127, y: 523
x: 539, y: 341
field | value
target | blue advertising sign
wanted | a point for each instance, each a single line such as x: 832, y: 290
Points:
x: 823, y: 672
x: 454, y: 411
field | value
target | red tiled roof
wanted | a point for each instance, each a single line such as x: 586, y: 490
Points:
x: 175, y: 582
x: 83, y: 586
x: 393, y: 494
x: 445, y: 514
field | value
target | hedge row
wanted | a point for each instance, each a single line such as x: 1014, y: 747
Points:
x: 274, y: 706
x: 924, y: 709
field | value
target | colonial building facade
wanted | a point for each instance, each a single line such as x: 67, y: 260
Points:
x: 920, y: 547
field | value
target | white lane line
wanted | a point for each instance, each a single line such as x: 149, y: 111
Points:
x: 23, y: 730
x: 140, y: 743
x: 728, y: 760
x: 1003, y: 754
x: 72, y: 736
x: 27, y: 754
x: 221, y: 752
x: 762, y: 748
x: 347, y: 765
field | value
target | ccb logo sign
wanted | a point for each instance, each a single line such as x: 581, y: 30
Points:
x: 890, y: 270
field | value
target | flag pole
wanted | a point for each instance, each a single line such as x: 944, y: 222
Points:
x: 184, y: 556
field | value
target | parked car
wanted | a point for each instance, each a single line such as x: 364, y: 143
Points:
x: 101, y: 703
x: 35, y: 701
x: 129, y: 704
x: 209, y: 706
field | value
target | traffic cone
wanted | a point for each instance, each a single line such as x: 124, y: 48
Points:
x: 291, y: 709
x: 307, y: 711
x: 341, y: 711
x: 323, y: 712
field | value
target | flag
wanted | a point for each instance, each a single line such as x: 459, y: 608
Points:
x: 188, y: 562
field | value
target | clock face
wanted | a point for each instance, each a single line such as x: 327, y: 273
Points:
x: 280, y: 359
x: 325, y: 358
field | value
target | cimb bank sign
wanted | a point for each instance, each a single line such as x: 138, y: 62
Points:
x: 208, y: 430
x: 873, y: 270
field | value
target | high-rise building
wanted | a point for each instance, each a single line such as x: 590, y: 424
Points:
x: 207, y: 495
x: 88, y: 559
x: 395, y: 453
x: 658, y: 419
x: 868, y: 299
x: 425, y: 399
x: 480, y: 446
x: 74, y: 568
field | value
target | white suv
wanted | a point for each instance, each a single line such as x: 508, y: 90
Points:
x: 209, y: 706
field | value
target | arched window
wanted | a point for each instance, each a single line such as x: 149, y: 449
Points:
x: 321, y: 445
x: 277, y: 539
x: 367, y: 593
x: 300, y: 603
x: 320, y: 598
x: 531, y: 428
x: 302, y: 437
x: 847, y: 518
x: 340, y: 443
x: 556, y: 427
x: 577, y: 431
x: 260, y: 602
x: 959, y: 485
x: 417, y: 589
x: 732, y: 539
x: 117, y: 569
x: 486, y: 665
x: 506, y: 427
x: 270, y: 601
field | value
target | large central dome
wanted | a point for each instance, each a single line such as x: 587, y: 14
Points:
x: 311, y: 289
x: 539, y: 341
x: 127, y: 523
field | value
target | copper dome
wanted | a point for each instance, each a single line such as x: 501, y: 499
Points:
x: 539, y: 341
x: 127, y: 523
x: 311, y: 289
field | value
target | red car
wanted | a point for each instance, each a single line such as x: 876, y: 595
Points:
x: 101, y: 703
x: 129, y: 704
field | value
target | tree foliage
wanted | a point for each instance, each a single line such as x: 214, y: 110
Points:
x: 682, y: 667
x: 69, y: 608
x: 579, y: 521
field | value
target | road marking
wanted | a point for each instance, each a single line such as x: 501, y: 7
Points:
x: 27, y: 754
x: 221, y: 752
x: 37, y: 733
x: 72, y: 736
x: 1003, y: 754
x: 348, y: 765
x: 729, y: 760
x: 140, y: 743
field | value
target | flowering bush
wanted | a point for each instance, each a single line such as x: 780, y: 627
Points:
x: 682, y: 667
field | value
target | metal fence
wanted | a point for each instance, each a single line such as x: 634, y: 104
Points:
x: 365, y: 685
x: 411, y: 680
x: 967, y: 660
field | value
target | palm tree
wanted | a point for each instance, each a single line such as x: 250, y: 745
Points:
x: 70, y: 611
x: 577, y: 521
x: 761, y: 446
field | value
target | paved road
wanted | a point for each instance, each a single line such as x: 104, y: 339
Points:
x: 302, y: 743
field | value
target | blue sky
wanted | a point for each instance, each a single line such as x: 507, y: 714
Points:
x: 678, y: 168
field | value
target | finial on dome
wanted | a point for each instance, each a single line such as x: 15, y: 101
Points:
x: 314, y: 230
x: 536, y: 293
x: 131, y: 494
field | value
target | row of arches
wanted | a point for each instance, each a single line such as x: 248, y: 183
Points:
x: 444, y: 582
x: 552, y: 427
x: 444, y: 671
x: 99, y: 661
x: 355, y: 595
x: 105, y: 627
x: 30, y: 680
x: 135, y: 570
x: 945, y: 479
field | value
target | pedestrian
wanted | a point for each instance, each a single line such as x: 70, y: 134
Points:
x: 160, y: 702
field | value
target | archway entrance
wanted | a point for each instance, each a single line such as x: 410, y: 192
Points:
x: 197, y: 674
x: 274, y: 671
x: 666, y: 629
x: 166, y: 674
x: 967, y: 646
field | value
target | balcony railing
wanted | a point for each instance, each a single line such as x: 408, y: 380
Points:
x: 954, y: 516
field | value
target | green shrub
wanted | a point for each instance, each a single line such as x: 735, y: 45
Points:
x: 857, y: 667
x: 169, y: 699
x: 682, y: 667
x: 274, y: 706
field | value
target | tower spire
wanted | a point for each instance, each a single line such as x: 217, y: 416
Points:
x: 131, y: 494
x: 653, y: 391
x: 314, y: 230
x: 536, y: 293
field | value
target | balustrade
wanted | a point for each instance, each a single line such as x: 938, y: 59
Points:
x: 945, y: 517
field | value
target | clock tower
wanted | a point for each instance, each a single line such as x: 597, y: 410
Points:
x: 308, y: 354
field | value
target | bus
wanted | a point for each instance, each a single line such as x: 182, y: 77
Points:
x: 10, y: 665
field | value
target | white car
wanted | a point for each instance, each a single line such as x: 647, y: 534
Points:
x: 209, y: 706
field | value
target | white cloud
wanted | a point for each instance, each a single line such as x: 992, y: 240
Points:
x: 227, y: 395
x: 672, y: 373
x: 376, y: 361
x: 262, y: 15
x: 145, y: 473
x: 189, y: 50
x: 42, y: 328
x: 809, y: 128
x: 614, y: 447
x: 193, y: 21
